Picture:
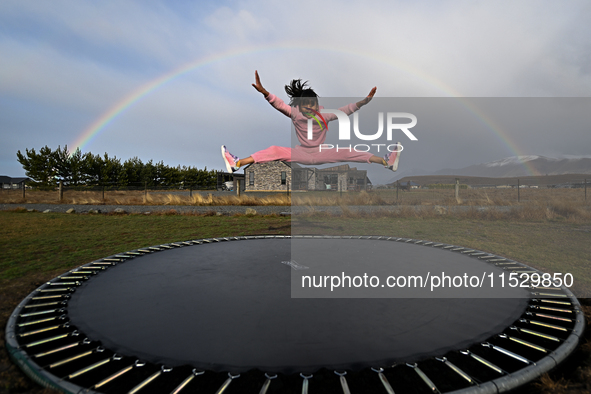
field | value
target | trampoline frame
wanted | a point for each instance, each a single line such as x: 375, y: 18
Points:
x: 49, y: 303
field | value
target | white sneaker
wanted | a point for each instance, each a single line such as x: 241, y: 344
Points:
x: 230, y: 160
x: 392, y: 158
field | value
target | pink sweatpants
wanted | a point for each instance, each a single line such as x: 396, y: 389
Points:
x: 312, y: 155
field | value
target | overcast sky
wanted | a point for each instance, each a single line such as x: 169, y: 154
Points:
x: 186, y: 68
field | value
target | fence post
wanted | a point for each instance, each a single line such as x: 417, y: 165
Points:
x: 397, y: 190
x: 61, y: 191
x: 518, y: 197
x: 457, y: 189
x: 103, y: 192
x: 585, y: 190
x: 238, y: 187
x: 25, y: 188
x: 145, y: 190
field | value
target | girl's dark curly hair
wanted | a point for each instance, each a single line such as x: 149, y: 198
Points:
x: 297, y: 89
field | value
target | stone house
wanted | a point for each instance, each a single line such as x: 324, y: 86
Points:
x: 284, y: 176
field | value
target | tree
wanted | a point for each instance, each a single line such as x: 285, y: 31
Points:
x: 40, y: 167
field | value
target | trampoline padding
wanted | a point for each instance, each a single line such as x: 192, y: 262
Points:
x: 227, y: 306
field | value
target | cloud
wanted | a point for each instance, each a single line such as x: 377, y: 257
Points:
x: 70, y: 62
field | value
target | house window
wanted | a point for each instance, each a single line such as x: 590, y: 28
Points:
x: 283, y: 178
x: 251, y: 178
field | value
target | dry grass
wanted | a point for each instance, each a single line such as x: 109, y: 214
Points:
x: 127, y: 197
x: 492, y: 204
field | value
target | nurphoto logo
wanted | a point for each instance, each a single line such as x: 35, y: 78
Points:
x: 345, y: 129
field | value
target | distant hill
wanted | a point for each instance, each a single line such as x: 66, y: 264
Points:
x: 520, y: 166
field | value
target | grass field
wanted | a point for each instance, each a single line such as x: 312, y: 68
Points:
x: 37, y: 247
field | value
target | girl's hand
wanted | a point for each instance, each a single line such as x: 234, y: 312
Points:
x: 368, y: 98
x: 259, y: 86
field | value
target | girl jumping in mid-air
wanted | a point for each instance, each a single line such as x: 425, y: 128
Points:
x: 308, y: 152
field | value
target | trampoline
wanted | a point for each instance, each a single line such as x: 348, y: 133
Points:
x: 223, y: 315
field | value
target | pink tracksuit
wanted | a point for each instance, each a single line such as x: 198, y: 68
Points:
x: 308, y: 152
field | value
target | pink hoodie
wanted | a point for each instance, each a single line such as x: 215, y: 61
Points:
x: 300, y: 122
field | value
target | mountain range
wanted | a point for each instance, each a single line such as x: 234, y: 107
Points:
x: 515, y: 166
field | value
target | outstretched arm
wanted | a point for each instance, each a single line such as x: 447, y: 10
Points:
x: 368, y: 98
x: 258, y: 85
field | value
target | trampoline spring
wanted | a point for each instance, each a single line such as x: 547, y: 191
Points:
x: 267, y: 383
x: 524, y: 343
x: 427, y: 243
x: 552, y: 317
x: 155, y: 248
x: 62, y: 362
x: 57, y: 350
x: 538, y: 334
x: 227, y: 383
x: 495, y: 260
x: 133, y: 254
x: 107, y: 261
x: 51, y: 297
x: 125, y: 255
x: 343, y: 381
x: 546, y: 308
x: 551, y: 295
x: 525, y: 272
x: 72, y: 277
x: 47, y: 340
x: 556, y: 302
x: 39, y: 313
x: 424, y: 377
x: 113, y: 377
x: 468, y: 251
x: 144, y: 251
x: 418, y: 242
x: 93, y: 267
x: 89, y: 368
x: 64, y: 284
x: 26, y: 334
x: 384, y: 380
x: 149, y: 380
x: 508, y: 353
x: 45, y: 304
x: 478, y: 254
x: 457, y: 249
x: 487, y: 257
x: 305, y: 383
x: 83, y: 272
x: 448, y: 247
x: 37, y: 321
x: 53, y: 290
x: 457, y: 370
x: 185, y: 382
x: 166, y: 246
x: 483, y: 361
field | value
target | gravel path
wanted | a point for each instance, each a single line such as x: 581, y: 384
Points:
x: 233, y: 209
x: 145, y: 209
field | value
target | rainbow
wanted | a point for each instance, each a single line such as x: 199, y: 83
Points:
x: 105, y: 119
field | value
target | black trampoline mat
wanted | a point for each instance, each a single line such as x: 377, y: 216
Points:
x: 227, y: 306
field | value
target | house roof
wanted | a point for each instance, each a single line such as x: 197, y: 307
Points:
x: 7, y: 179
